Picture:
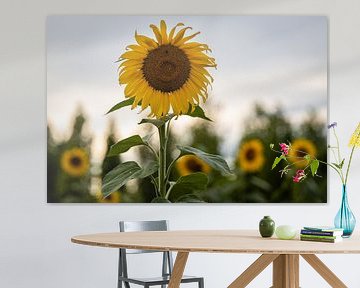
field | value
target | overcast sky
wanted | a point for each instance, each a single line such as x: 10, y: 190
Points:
x: 273, y: 60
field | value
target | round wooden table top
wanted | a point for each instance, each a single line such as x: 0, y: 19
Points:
x: 220, y: 241
x: 217, y: 241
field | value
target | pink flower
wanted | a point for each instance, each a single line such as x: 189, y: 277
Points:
x: 300, y: 175
x: 284, y: 148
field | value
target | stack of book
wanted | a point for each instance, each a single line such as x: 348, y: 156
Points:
x: 321, y: 234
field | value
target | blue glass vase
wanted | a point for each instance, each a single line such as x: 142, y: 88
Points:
x: 345, y: 219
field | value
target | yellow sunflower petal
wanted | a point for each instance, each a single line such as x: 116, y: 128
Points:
x: 185, y: 39
x: 131, y: 87
x: 157, y: 33
x: 174, y: 104
x: 129, y: 63
x: 154, y: 103
x: 166, y: 104
x: 137, y: 48
x: 180, y: 35
x: 145, y: 41
x: 139, y: 95
x: 133, y: 55
x: 172, y: 31
x: 146, y: 99
x: 128, y: 75
x: 195, y: 46
x: 164, y: 35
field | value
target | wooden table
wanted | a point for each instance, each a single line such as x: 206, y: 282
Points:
x: 284, y: 254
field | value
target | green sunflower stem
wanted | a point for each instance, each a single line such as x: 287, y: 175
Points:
x: 162, y: 160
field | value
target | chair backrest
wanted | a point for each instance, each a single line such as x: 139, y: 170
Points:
x: 135, y: 226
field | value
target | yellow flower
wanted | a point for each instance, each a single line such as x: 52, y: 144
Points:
x: 251, y: 156
x: 298, y: 149
x: 75, y: 162
x: 114, y: 197
x: 355, y: 138
x: 190, y: 164
x: 165, y: 72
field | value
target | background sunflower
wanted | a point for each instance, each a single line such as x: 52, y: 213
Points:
x: 189, y: 164
x: 301, y: 144
x: 168, y: 71
x: 251, y: 156
x: 112, y: 198
x: 75, y: 162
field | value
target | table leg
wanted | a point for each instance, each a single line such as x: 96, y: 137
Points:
x: 286, y: 271
x: 178, y: 269
x: 324, y: 271
x: 253, y: 270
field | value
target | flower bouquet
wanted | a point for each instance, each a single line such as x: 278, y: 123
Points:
x: 292, y: 157
x: 169, y: 75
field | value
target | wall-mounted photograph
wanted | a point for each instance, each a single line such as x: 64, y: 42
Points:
x: 187, y: 109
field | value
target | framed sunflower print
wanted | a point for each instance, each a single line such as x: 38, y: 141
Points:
x: 174, y: 109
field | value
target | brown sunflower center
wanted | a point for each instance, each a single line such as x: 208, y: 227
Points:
x: 166, y: 68
x: 250, y: 154
x: 75, y: 161
x: 194, y: 165
x: 303, y: 152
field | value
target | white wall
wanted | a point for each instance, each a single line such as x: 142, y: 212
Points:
x: 35, y: 248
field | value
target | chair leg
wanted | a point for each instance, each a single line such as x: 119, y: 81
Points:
x: 201, y: 283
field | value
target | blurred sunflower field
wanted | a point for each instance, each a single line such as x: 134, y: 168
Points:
x: 74, y: 178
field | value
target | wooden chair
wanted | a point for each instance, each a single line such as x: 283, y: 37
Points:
x: 167, y: 263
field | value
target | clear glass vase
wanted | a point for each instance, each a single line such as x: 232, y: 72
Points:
x: 345, y: 219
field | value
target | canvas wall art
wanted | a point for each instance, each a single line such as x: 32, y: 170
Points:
x: 144, y: 109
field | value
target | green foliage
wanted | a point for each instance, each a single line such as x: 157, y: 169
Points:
x: 277, y: 161
x: 267, y: 185
x: 187, y: 185
x: 198, y: 113
x: 61, y: 187
x: 121, y: 104
x: 125, y: 144
x: 160, y: 200
x: 215, y: 161
x: 109, y: 163
x: 314, y: 167
x: 125, y: 172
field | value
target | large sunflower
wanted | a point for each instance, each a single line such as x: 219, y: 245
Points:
x: 75, y: 162
x: 190, y: 164
x: 168, y: 71
x: 251, y: 156
x: 298, y: 149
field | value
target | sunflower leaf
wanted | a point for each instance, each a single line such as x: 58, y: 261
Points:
x: 157, y: 122
x: 314, y: 167
x: 198, y: 113
x: 124, y: 172
x: 160, y: 200
x: 188, y: 185
x: 277, y: 161
x: 190, y: 198
x: 121, y: 104
x: 215, y: 161
x: 125, y: 144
